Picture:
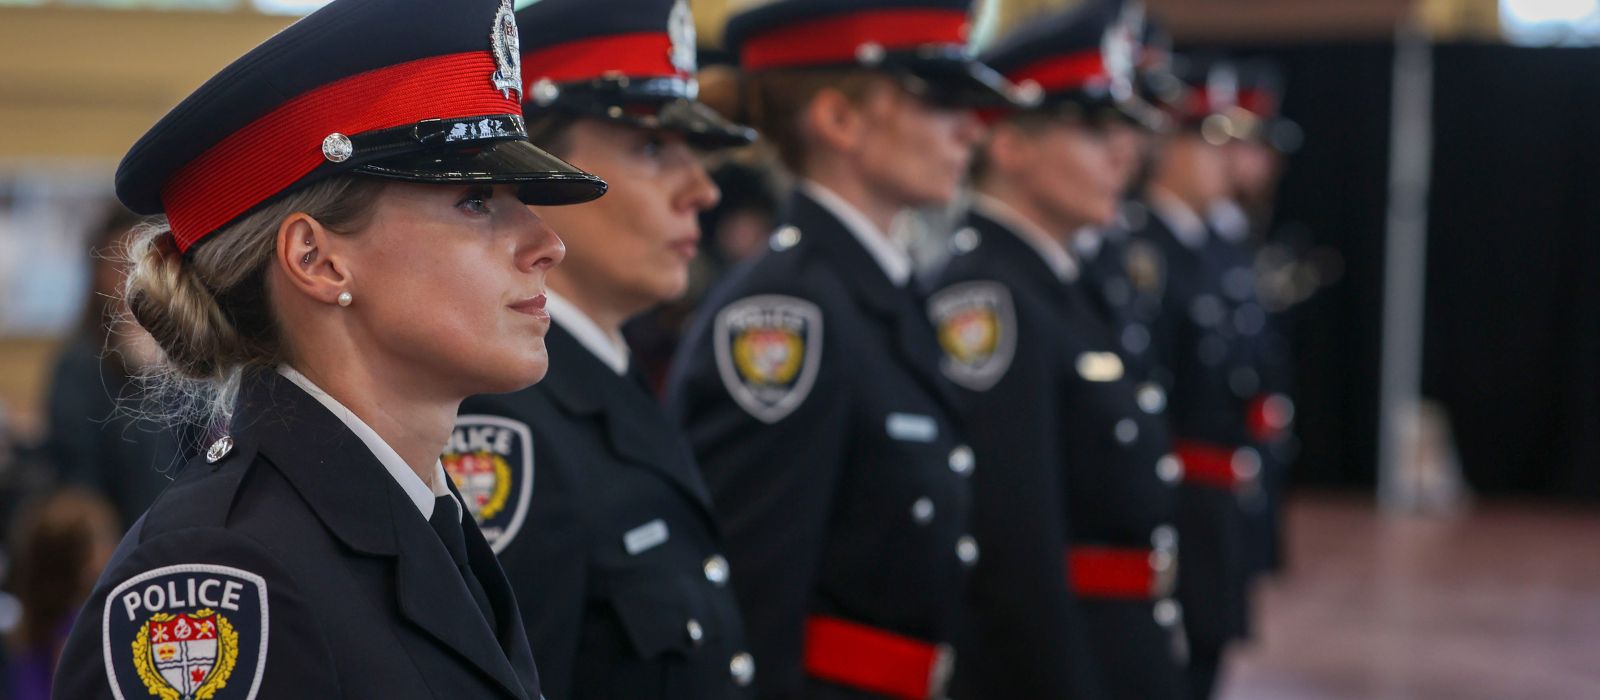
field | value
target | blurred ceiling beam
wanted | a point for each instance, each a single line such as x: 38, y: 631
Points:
x: 1282, y: 21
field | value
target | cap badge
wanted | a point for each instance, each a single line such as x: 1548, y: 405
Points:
x: 1118, y: 48
x: 680, y: 29
x: 507, y: 51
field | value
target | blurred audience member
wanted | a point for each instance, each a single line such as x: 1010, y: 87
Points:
x: 90, y: 441
x: 59, y: 545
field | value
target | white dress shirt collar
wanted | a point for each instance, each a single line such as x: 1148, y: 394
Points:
x: 611, y: 350
x: 1054, y: 254
x: 1228, y: 219
x: 894, y: 260
x: 1186, y: 225
x: 420, y: 493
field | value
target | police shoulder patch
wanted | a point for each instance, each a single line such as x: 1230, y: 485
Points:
x: 490, y: 460
x: 977, y: 325
x: 187, y: 631
x: 1146, y: 267
x: 769, y: 349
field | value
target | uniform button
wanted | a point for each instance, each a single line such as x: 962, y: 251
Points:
x: 965, y: 241
x: 1167, y: 612
x: 1164, y: 538
x: 696, y: 632
x: 1136, y: 338
x: 967, y: 550
x: 785, y: 238
x: 716, y: 569
x: 1152, y: 398
x: 1169, y: 469
x: 961, y: 460
x: 743, y: 669
x: 1127, y: 431
x: 219, y: 449
x: 922, y: 511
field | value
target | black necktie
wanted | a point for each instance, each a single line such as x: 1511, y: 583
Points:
x: 446, y: 521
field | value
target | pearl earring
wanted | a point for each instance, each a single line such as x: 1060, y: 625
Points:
x: 345, y: 298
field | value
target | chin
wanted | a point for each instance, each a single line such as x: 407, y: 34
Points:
x: 517, y: 374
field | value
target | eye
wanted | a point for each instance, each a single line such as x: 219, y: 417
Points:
x: 476, y: 200
x: 651, y: 147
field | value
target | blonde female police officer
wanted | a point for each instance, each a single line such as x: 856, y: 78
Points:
x: 344, y: 243
x: 810, y: 385
x: 582, y: 484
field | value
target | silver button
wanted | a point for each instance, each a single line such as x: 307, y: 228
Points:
x: 785, y: 238
x: 1164, y: 538
x: 967, y: 550
x: 337, y: 148
x: 716, y: 568
x: 870, y: 54
x: 1169, y: 469
x: 965, y: 241
x: 962, y: 460
x: 1167, y: 612
x: 219, y: 449
x: 1127, y: 431
x: 922, y: 511
x: 1136, y: 338
x: 1152, y: 398
x: 1246, y: 464
x: 696, y: 632
x: 743, y: 669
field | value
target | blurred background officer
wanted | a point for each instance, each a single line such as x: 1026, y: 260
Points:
x: 810, y: 384
x: 96, y: 438
x: 345, y: 248
x: 582, y: 484
x: 1074, y: 507
x: 1200, y: 345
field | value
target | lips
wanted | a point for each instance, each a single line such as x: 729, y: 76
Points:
x: 686, y: 248
x: 532, y: 306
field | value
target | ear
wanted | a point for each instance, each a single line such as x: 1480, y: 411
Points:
x: 306, y: 256
x: 834, y: 121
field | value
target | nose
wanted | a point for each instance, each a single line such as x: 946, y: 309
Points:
x: 699, y: 193
x: 539, y: 248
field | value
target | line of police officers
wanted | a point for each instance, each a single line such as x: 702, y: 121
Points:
x: 1034, y: 473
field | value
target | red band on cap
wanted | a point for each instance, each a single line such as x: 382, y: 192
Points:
x: 257, y: 162
x: 1258, y: 102
x: 836, y: 39
x: 1200, y: 104
x: 642, y: 55
x: 1060, y: 73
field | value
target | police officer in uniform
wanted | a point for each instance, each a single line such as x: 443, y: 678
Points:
x: 1199, y: 345
x: 1076, y: 505
x: 344, y: 210
x: 582, y: 484
x: 809, y: 384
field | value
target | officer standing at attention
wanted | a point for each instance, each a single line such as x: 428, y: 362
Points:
x: 584, y: 487
x: 810, y: 384
x: 1075, y: 505
x: 346, y: 249
x: 1199, y: 343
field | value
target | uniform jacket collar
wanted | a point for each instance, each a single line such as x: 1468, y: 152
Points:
x: 1016, y: 254
x: 635, y: 425
x: 356, y: 499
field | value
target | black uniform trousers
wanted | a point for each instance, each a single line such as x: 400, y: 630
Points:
x: 810, y: 391
x: 619, y: 562
x: 329, y: 580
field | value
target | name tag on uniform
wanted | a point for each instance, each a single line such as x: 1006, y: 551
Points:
x: 1100, y: 366
x: 912, y: 427
x: 645, y: 537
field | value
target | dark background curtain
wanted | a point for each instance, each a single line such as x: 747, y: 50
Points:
x: 1512, y: 347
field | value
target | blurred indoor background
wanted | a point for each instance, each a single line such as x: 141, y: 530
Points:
x: 1440, y: 228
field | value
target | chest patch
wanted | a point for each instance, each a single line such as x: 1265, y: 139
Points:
x: 1146, y: 267
x: 186, y: 632
x: 977, y: 326
x: 490, y: 460
x: 769, y: 349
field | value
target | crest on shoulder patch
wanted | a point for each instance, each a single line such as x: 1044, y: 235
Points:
x: 977, y: 326
x: 1146, y: 268
x: 490, y: 460
x: 769, y: 348
x: 186, y: 632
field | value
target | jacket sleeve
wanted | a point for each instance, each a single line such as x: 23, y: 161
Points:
x: 189, y: 613
x: 772, y: 479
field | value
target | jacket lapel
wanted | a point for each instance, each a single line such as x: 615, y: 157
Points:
x: 360, y: 503
x: 895, y: 307
x: 1015, y: 254
x: 636, y: 429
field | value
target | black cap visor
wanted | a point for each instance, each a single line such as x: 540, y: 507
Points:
x: 541, y: 177
x: 948, y: 77
x: 663, y: 103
